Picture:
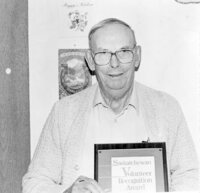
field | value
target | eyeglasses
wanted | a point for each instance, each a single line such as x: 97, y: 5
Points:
x: 123, y: 56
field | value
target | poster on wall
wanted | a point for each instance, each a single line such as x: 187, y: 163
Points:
x: 75, y: 17
x: 74, y: 74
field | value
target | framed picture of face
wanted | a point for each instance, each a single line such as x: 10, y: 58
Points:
x: 74, y: 74
x: 132, y: 167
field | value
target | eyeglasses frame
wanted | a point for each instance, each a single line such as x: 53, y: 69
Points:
x: 113, y: 53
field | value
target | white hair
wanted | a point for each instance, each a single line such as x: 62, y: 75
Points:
x: 105, y: 22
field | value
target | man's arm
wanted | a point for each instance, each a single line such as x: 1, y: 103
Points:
x: 44, y: 173
x: 184, y: 163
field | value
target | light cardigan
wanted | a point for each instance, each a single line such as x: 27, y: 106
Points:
x: 53, y: 168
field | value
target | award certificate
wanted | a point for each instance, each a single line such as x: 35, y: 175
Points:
x: 131, y: 168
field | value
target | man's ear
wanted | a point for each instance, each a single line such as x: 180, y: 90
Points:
x: 138, y: 58
x: 90, y: 60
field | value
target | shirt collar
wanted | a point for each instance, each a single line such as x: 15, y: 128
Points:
x: 98, y: 99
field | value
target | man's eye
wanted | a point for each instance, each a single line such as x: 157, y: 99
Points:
x: 103, y: 52
x: 124, y: 51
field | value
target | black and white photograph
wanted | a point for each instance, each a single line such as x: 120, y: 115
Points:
x: 100, y: 96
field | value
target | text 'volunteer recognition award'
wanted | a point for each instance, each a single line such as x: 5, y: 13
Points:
x: 131, y: 168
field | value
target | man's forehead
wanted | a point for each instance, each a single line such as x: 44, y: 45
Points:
x: 112, y: 28
x: 114, y: 31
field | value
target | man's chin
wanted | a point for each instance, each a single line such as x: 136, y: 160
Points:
x: 116, y: 93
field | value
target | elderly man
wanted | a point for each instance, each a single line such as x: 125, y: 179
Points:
x: 116, y: 110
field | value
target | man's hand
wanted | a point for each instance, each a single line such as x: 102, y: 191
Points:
x: 84, y: 185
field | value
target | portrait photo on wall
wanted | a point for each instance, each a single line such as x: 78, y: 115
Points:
x: 74, y: 74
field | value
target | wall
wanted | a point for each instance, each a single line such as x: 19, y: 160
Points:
x: 14, y: 95
x: 168, y: 32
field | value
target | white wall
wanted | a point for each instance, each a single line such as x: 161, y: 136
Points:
x: 168, y: 32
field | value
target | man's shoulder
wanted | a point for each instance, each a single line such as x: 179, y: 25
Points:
x: 154, y: 96
x: 74, y: 100
x: 160, y: 105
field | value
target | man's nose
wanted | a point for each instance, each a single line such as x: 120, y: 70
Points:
x: 114, y: 63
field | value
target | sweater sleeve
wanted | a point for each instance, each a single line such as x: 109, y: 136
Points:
x: 184, y: 163
x: 44, y: 172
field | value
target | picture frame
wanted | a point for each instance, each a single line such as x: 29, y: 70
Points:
x: 131, y: 167
x: 74, y: 73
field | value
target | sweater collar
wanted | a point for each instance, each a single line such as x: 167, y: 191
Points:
x: 98, y: 99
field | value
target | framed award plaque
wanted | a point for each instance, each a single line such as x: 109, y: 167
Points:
x: 131, y: 167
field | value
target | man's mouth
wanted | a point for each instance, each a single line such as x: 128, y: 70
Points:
x: 115, y: 75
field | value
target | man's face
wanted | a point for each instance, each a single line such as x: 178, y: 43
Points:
x: 115, y: 79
